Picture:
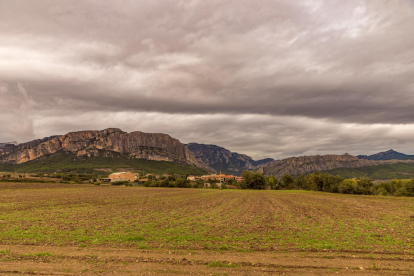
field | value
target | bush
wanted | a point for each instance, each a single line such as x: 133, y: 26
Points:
x: 182, y: 183
x: 165, y: 182
x: 409, y: 188
x: 348, y: 186
x: 253, y: 180
x: 287, y: 181
x: 119, y: 183
x: 382, y: 191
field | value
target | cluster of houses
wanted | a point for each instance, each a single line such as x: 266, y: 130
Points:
x: 219, y: 177
x: 131, y: 177
x: 121, y: 176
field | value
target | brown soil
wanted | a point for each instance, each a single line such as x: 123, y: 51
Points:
x: 114, y: 261
x: 40, y: 224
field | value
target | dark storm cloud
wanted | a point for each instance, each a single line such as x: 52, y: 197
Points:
x: 337, y: 62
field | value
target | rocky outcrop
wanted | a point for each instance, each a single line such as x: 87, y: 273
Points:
x: 6, y: 148
x: 151, y: 146
x: 215, y: 158
x: 387, y: 155
x: 307, y: 164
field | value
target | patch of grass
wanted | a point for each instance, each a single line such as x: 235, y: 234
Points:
x: 133, y: 238
x: 222, y: 264
x: 223, y: 248
x: 41, y: 254
x: 5, y: 252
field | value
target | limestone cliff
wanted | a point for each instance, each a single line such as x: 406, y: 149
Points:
x: 307, y: 164
x: 215, y: 158
x: 151, y: 146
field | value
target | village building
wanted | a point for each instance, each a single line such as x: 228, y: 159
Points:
x: 221, y: 177
x: 191, y: 178
x: 121, y: 176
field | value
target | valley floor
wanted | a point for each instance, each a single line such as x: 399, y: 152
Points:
x: 59, y: 229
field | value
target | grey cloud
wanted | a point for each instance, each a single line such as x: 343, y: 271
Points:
x: 260, y: 136
x: 15, y: 108
x: 338, y: 62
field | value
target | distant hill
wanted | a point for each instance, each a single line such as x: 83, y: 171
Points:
x: 387, y: 155
x: 307, y: 164
x: 215, y: 158
x: 391, y: 171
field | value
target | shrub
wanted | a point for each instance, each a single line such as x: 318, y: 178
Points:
x: 119, y: 183
x: 348, y: 186
x: 253, y: 180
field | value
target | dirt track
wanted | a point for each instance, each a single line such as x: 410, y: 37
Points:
x: 104, y: 261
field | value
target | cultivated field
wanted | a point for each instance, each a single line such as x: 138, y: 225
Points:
x: 58, y: 229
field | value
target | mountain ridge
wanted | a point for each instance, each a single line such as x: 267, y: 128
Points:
x: 216, y: 158
x: 150, y: 146
x: 387, y: 155
x: 306, y: 164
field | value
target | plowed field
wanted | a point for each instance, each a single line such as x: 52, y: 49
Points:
x: 58, y: 229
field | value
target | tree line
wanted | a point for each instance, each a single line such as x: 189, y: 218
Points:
x: 316, y: 181
x: 325, y: 182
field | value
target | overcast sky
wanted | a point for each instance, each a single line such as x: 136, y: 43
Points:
x: 268, y: 78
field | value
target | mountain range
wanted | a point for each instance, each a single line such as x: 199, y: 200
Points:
x: 387, y: 155
x: 216, y: 159
x: 115, y: 148
x: 90, y: 144
x: 307, y: 164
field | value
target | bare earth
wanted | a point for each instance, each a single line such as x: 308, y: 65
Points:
x: 54, y: 229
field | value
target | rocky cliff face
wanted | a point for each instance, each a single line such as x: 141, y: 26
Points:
x: 6, y: 148
x: 307, y: 164
x: 150, y: 146
x: 215, y: 158
x: 387, y: 155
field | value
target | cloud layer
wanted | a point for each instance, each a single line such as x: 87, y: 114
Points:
x: 270, y: 78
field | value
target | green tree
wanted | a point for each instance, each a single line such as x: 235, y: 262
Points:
x: 253, y: 180
x: 287, y: 181
x: 300, y: 182
x: 182, y: 183
x: 272, y: 182
x: 165, y: 182
x: 409, y: 188
x: 365, y: 186
x: 348, y: 186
